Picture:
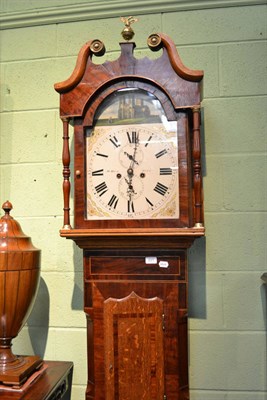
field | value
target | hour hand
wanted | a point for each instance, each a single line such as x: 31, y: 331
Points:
x: 131, y: 157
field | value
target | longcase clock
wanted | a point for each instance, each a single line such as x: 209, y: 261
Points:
x: 138, y: 207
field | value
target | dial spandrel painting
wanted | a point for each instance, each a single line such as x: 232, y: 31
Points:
x: 132, y: 159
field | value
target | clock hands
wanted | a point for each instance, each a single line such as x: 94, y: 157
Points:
x: 130, y: 170
x: 131, y: 157
x: 130, y: 189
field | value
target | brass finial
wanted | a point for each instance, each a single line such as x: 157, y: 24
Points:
x: 128, y: 32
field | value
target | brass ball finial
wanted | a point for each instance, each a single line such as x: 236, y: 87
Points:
x: 128, y: 33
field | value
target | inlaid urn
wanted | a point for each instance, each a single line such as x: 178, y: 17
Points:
x: 19, y: 278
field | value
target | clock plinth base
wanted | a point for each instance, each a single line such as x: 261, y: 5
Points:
x: 17, y: 372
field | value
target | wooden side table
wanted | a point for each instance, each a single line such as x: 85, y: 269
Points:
x: 52, y: 383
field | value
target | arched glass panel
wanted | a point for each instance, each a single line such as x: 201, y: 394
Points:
x: 127, y: 106
x: 132, y: 159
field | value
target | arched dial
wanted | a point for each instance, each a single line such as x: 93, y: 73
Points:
x: 132, y: 172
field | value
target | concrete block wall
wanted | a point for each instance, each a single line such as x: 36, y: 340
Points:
x: 227, y: 299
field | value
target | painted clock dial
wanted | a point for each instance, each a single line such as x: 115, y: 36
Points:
x: 132, y: 160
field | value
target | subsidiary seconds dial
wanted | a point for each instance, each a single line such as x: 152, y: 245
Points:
x: 132, y: 172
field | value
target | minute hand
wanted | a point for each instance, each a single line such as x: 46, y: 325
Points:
x: 135, y: 150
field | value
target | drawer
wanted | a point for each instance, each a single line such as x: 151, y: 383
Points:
x: 141, y: 268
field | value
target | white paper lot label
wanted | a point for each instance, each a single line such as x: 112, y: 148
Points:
x: 163, y: 264
x: 151, y: 260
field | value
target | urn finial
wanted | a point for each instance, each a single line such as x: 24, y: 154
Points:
x: 7, y: 207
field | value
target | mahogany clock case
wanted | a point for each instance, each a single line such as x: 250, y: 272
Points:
x: 135, y: 269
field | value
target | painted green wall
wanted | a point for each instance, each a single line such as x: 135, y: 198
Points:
x: 227, y: 299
